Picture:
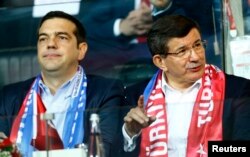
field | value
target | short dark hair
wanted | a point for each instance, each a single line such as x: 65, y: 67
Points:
x: 166, y: 28
x: 80, y: 31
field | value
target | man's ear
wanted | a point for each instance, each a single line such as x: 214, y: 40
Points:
x: 160, y: 62
x: 83, y: 47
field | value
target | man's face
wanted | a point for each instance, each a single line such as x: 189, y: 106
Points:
x: 57, y: 46
x: 185, y: 70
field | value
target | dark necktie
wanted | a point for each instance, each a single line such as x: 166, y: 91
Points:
x: 143, y: 38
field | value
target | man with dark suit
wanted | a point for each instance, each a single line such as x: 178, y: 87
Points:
x: 187, y: 102
x: 62, y: 89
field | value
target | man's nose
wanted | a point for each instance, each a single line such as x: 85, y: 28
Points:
x: 193, y: 54
x: 52, y: 43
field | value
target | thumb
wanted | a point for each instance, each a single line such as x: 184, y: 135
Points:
x: 140, y: 101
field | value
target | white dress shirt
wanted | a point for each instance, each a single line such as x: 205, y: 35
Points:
x: 179, y: 113
x: 59, y: 102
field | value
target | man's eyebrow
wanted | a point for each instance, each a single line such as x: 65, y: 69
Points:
x: 62, y: 33
x: 41, y: 34
x: 56, y: 33
x: 181, y: 47
x: 198, y: 40
x: 185, y: 46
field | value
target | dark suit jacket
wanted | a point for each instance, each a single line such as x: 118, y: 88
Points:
x: 101, y: 18
x: 104, y: 96
x: 199, y: 10
x: 236, y: 112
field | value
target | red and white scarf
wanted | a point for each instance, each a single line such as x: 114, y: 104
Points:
x: 27, y: 127
x: 206, y: 122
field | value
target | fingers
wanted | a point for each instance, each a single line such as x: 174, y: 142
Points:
x: 140, y: 101
x: 138, y: 22
x: 136, y: 115
x: 151, y: 119
x: 142, y: 29
x: 140, y: 15
x: 136, y: 118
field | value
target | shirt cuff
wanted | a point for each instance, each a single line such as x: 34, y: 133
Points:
x: 129, y: 143
x: 116, y: 28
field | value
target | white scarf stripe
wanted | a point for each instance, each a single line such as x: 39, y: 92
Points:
x: 34, y: 129
x: 82, y: 80
x: 76, y: 115
x: 22, y: 124
x: 156, y: 96
x: 75, y: 120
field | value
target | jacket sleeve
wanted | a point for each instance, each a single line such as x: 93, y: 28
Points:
x: 11, y: 98
x: 9, y: 107
x: 102, y: 16
x: 236, y: 115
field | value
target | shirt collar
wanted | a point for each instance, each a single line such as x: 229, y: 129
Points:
x: 166, y: 87
x: 44, y: 88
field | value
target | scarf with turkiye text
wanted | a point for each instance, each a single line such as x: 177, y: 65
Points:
x: 27, y: 124
x: 206, y: 121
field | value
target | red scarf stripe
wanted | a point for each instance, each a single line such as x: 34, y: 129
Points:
x: 17, y: 121
x: 155, y: 134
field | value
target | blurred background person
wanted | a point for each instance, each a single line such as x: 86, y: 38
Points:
x: 116, y: 33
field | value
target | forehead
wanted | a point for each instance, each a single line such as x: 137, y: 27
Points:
x: 189, y: 39
x: 57, y: 24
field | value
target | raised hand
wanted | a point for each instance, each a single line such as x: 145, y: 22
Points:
x: 138, y: 21
x: 136, y: 119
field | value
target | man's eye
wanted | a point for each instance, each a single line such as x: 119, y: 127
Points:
x: 181, y: 52
x: 197, y: 45
x: 63, y: 38
x: 41, y: 39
